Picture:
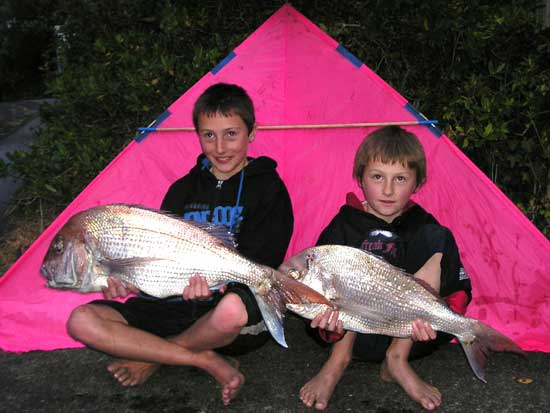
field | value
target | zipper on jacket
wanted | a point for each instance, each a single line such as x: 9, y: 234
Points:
x: 219, y: 185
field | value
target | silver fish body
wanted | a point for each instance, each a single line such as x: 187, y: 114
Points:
x: 372, y: 296
x: 158, y: 253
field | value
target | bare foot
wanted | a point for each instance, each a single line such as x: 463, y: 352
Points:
x: 231, y: 389
x: 417, y: 389
x: 385, y: 373
x: 318, y: 391
x: 132, y: 372
x: 224, y: 372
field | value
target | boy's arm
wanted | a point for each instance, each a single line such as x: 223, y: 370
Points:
x: 266, y: 231
x: 429, y: 273
x: 175, y: 195
x: 451, y: 280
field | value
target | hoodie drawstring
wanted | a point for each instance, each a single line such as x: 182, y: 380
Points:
x: 234, y: 212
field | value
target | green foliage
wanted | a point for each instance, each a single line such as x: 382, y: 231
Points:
x: 500, y: 115
x: 26, y: 29
x: 119, y: 72
x: 481, y: 67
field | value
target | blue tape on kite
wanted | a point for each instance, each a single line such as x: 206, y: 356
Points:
x: 155, y: 124
x: 225, y: 61
x: 346, y: 53
x: 431, y: 127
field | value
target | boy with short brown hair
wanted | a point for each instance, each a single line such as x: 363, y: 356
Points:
x: 390, y: 165
x: 224, y: 187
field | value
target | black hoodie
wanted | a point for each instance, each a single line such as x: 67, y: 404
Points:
x: 253, y: 204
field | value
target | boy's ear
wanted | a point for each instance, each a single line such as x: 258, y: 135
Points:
x: 252, y: 134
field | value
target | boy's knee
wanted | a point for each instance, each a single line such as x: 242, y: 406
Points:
x: 85, y: 324
x: 230, y: 313
x: 429, y: 240
x: 80, y: 321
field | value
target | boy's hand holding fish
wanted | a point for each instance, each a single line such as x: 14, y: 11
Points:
x: 198, y: 289
x: 422, y: 331
x: 328, y: 321
x: 116, y: 288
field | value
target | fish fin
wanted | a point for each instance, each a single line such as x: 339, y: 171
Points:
x: 306, y: 310
x: 378, y: 317
x: 216, y: 287
x: 272, y: 297
x: 216, y: 230
x: 273, y: 318
x: 430, y: 289
x: 126, y: 265
x: 486, y: 339
x: 419, y: 281
x: 296, y: 292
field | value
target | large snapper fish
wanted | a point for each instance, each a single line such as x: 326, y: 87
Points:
x: 158, y: 253
x: 375, y: 297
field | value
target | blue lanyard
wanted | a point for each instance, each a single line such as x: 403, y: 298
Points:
x: 237, y: 203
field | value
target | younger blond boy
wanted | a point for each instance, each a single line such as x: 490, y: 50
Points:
x: 390, y: 166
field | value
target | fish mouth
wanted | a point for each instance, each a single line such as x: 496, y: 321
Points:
x: 45, y: 273
x: 69, y: 282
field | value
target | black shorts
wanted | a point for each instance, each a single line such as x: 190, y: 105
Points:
x: 171, y: 316
x: 372, y: 347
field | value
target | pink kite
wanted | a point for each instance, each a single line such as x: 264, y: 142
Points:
x: 296, y: 74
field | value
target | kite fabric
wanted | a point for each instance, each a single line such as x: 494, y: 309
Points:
x: 297, y: 74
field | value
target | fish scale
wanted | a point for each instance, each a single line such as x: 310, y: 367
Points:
x: 158, y: 253
x: 385, y: 280
x: 372, y: 296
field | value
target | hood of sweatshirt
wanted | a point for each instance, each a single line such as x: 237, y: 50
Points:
x: 200, y: 196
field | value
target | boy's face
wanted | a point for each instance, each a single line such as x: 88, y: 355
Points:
x: 387, y: 188
x: 224, y: 140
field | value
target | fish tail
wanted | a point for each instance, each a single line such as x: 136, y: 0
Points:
x: 486, y: 339
x: 272, y: 301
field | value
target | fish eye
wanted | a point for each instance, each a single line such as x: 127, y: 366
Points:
x: 58, y: 245
x: 294, y: 273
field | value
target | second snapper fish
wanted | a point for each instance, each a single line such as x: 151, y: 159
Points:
x: 375, y: 297
x: 158, y: 253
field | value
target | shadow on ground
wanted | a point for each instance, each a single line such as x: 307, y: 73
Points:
x: 76, y: 381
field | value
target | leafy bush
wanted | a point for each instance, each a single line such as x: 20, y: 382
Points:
x: 481, y: 67
x: 26, y: 29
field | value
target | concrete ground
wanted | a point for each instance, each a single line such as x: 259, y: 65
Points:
x: 76, y: 381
